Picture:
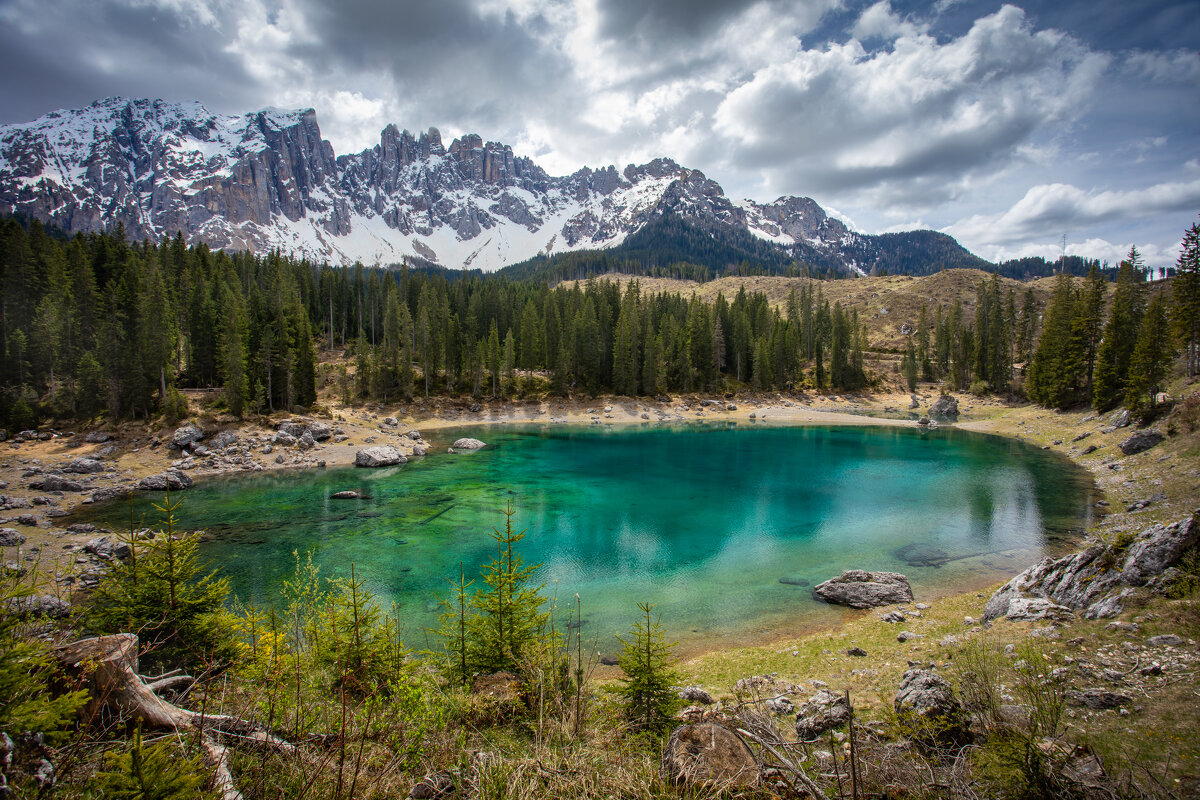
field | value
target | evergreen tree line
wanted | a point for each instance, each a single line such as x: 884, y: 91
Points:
x: 1124, y: 358
x: 96, y: 324
x: 976, y: 354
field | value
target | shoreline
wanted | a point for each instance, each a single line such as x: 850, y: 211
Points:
x: 364, y: 427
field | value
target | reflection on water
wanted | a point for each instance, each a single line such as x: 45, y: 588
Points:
x: 725, y: 528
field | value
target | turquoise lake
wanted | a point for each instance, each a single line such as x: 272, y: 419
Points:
x: 702, y: 520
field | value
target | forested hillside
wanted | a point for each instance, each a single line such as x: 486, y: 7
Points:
x: 95, y: 325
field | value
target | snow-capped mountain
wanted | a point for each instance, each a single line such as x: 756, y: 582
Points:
x: 267, y: 180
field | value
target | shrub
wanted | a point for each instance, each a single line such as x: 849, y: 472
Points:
x: 175, y: 406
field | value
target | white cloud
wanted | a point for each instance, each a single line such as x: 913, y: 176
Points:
x: 913, y: 123
x: 1048, y: 209
x: 879, y: 21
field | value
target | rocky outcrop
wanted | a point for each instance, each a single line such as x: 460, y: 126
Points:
x: 927, y: 709
x: 709, y: 755
x: 860, y: 589
x: 380, y: 456
x: 1095, y: 580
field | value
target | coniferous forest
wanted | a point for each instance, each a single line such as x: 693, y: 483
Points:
x: 96, y: 324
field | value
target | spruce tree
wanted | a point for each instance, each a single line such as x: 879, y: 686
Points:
x: 646, y: 688
x: 1150, y: 360
x: 1120, y: 337
x: 1185, y: 310
x: 508, y: 611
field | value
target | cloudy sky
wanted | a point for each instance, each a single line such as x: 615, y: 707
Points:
x: 1006, y: 126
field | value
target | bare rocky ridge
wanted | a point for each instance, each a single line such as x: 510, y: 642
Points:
x: 266, y: 180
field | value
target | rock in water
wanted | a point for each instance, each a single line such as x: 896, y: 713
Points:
x: 927, y: 709
x: 349, y: 494
x: 707, y: 754
x: 860, y: 589
x: 1140, y: 442
x: 466, y: 444
x: 380, y: 456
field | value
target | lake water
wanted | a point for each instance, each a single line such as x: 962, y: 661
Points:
x: 702, y: 520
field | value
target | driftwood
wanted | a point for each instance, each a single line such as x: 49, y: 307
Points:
x: 108, y: 666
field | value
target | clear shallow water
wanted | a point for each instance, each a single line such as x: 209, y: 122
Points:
x: 704, y: 521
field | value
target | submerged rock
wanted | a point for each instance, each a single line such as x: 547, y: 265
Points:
x: 466, y: 444
x: 920, y: 554
x: 860, y: 589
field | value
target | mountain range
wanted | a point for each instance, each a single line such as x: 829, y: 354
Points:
x: 267, y: 180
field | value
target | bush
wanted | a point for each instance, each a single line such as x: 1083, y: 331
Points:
x: 980, y: 388
x: 175, y: 406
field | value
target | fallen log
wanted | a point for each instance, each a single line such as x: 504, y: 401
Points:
x: 107, y: 666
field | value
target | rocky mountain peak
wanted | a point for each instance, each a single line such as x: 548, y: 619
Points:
x: 267, y: 179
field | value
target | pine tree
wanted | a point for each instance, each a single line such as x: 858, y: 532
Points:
x: 508, y: 610
x: 646, y: 689
x: 1150, y: 360
x: 1185, y: 311
x: 164, y: 595
x: 1050, y: 380
x: 1120, y: 337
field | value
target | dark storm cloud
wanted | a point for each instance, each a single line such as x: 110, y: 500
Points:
x: 67, y: 54
x: 659, y: 21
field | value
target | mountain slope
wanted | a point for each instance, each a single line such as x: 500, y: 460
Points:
x: 267, y: 180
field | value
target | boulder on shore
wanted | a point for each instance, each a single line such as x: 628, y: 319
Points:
x: 1140, y: 442
x: 171, y: 479
x: 11, y: 537
x: 823, y: 712
x: 860, y: 589
x: 945, y: 407
x: 185, y: 436
x: 84, y: 466
x: 927, y: 709
x: 379, y: 456
x: 466, y: 444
